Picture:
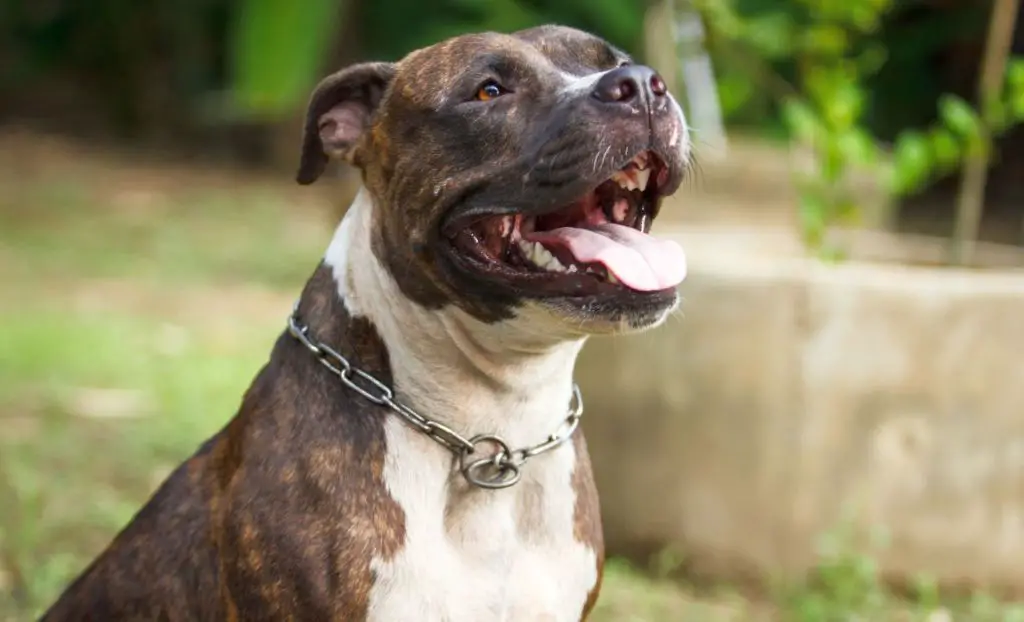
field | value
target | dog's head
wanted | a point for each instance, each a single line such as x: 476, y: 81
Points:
x: 514, y: 173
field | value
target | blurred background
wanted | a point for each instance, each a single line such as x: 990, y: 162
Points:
x: 831, y: 429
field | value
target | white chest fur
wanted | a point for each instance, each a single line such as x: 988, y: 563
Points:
x: 470, y: 555
x: 473, y: 555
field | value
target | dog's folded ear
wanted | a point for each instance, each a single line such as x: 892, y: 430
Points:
x: 340, y: 111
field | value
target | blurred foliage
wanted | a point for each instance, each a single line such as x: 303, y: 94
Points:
x: 619, y: 21
x: 269, y: 52
x: 166, y: 63
x: 821, y: 61
x: 846, y: 584
x: 840, y: 79
x: 761, y: 46
x: 277, y: 48
x: 128, y: 64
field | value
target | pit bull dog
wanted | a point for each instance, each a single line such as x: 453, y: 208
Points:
x: 410, y: 452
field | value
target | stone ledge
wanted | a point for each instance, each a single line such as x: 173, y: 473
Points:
x: 786, y: 390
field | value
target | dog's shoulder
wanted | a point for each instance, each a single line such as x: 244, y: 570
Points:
x: 278, y: 513
x: 301, y: 500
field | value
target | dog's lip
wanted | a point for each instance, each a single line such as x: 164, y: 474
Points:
x: 543, y: 284
x: 488, y: 249
x: 456, y: 220
x: 549, y: 285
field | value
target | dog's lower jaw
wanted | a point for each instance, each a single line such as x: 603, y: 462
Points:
x: 531, y: 552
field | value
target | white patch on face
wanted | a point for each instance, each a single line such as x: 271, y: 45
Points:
x: 574, y: 85
x: 470, y: 554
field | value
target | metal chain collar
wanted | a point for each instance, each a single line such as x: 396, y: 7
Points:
x: 498, y: 470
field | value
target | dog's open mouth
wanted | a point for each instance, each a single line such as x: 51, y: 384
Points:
x: 598, y: 241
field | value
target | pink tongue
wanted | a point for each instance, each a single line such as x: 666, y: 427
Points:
x: 639, y: 261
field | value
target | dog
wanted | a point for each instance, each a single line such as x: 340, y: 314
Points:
x: 411, y: 450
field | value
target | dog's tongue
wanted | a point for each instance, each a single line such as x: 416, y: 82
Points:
x: 639, y: 261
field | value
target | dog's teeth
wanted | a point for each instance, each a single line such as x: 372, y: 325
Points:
x: 506, y: 226
x: 554, y: 265
x: 641, y: 160
x: 551, y: 262
x: 612, y: 279
x: 642, y: 176
x: 527, y: 248
x: 625, y: 180
x: 540, y: 256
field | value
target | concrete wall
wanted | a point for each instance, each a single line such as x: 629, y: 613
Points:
x: 786, y: 391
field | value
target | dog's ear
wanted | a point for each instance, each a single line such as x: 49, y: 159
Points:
x: 339, y: 112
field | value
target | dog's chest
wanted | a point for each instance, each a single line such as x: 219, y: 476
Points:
x: 482, y: 555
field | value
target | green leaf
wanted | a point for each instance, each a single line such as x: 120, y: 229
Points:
x: 857, y: 146
x: 844, y: 108
x: 911, y: 161
x: 1017, y: 105
x: 959, y: 117
x: 998, y: 115
x: 734, y: 91
x: 276, y: 50
x: 820, y: 82
x: 1015, y: 74
x: 801, y: 121
x: 944, y: 147
x: 831, y: 163
x: 872, y: 59
x: 772, y: 34
x: 827, y: 39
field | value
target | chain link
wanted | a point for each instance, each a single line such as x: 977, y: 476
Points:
x: 500, y: 469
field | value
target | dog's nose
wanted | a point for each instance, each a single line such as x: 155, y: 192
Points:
x: 627, y: 85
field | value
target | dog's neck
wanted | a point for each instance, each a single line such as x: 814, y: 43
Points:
x: 512, y: 378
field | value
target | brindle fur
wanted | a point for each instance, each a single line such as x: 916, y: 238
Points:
x: 275, y: 517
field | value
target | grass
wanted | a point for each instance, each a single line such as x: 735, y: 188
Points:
x: 136, y: 304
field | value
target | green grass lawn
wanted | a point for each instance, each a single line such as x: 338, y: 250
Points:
x: 136, y: 304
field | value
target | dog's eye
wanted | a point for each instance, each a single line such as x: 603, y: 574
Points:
x: 489, y: 90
